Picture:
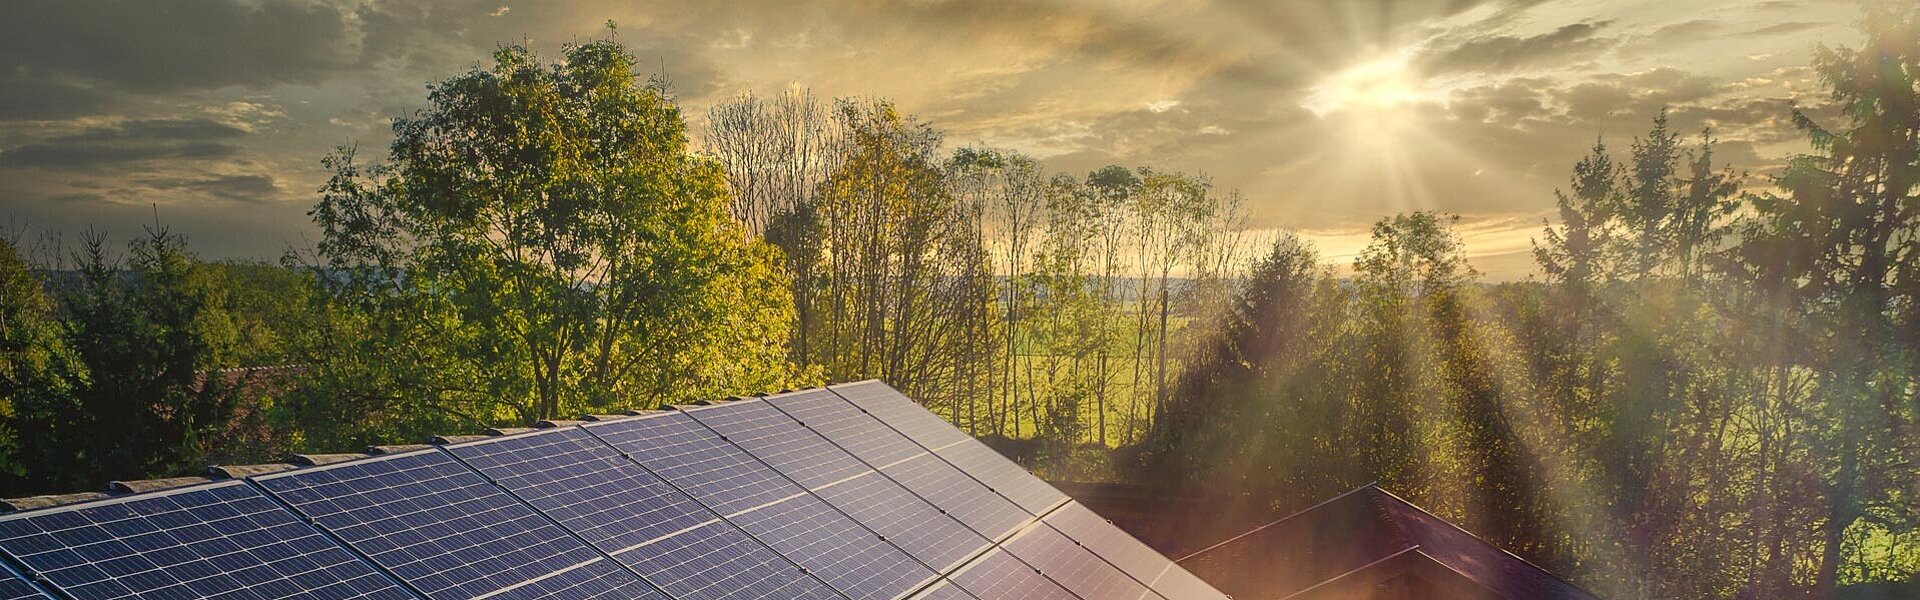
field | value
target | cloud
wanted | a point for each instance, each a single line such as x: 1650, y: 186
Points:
x: 29, y: 99
x: 131, y: 141
x: 1508, y: 53
x: 1785, y: 28
x: 218, y: 110
x: 178, y: 44
x: 239, y: 188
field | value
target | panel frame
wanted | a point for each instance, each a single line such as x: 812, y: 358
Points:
x: 801, y: 428
x: 734, y: 517
x: 54, y: 589
x: 1113, y: 556
x: 920, y: 452
x: 719, y: 518
x: 8, y: 570
x: 259, y: 481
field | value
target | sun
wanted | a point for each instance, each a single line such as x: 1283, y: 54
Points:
x: 1380, y: 84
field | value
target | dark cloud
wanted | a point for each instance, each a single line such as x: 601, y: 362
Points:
x: 140, y: 140
x: 176, y: 44
x: 238, y: 188
x: 38, y: 99
x: 1506, y: 52
x: 1674, y: 36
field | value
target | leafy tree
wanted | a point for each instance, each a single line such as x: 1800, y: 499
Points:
x: 37, y: 373
x: 543, y: 238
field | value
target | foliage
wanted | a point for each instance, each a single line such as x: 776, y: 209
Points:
x: 541, y: 244
x: 1712, y: 395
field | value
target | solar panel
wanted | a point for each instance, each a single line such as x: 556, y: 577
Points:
x: 1073, y: 566
x: 1143, y: 563
x: 928, y: 476
x: 843, y: 481
x: 1177, y: 583
x: 901, y: 413
x: 223, y: 540
x: 766, y: 504
x: 944, y: 591
x: 445, y: 530
x: 848, y: 493
x: 617, y: 506
x: 14, y: 586
x: 966, y: 453
x: 1001, y: 576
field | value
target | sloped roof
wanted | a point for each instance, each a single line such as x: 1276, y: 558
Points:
x: 1364, y: 537
x: 850, y: 492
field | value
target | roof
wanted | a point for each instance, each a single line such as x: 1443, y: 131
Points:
x: 1368, y: 537
x: 848, y: 492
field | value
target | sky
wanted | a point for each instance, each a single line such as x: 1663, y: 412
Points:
x: 210, y: 117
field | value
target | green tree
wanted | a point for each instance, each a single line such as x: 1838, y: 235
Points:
x: 542, y: 232
x: 146, y: 334
x: 1835, y: 238
x: 38, y: 372
x: 1574, y: 253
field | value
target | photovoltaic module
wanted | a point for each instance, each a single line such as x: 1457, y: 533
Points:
x: 850, y: 492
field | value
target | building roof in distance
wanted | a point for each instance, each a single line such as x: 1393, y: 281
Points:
x: 1369, y: 543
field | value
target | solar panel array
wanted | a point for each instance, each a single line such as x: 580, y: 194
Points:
x: 851, y: 492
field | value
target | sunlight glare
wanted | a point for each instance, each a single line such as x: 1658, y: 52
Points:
x: 1372, y: 86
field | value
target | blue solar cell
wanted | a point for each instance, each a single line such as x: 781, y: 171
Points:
x: 766, y: 504
x: 963, y: 451
x: 900, y: 412
x: 449, y: 533
x: 14, y: 586
x: 780, y: 441
x: 902, y: 460
x: 960, y: 495
x: 1075, y: 568
x: 223, y: 540
x: 1003, y: 476
x: 843, y: 481
x: 1143, y: 563
x: 1001, y: 576
x: 620, y: 508
x: 944, y: 591
x: 698, y: 462
x: 848, y: 556
x: 842, y: 422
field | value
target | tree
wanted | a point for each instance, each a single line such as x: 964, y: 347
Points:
x: 1251, y: 411
x: 136, y: 401
x: 38, y: 372
x: 1834, y: 238
x: 1650, y: 197
x: 1574, y: 254
x: 544, y: 231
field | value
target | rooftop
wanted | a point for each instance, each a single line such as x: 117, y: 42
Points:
x: 1369, y: 543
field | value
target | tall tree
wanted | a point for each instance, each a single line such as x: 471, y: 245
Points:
x: 1844, y: 221
x: 547, y: 225
x: 144, y: 335
x: 38, y: 373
